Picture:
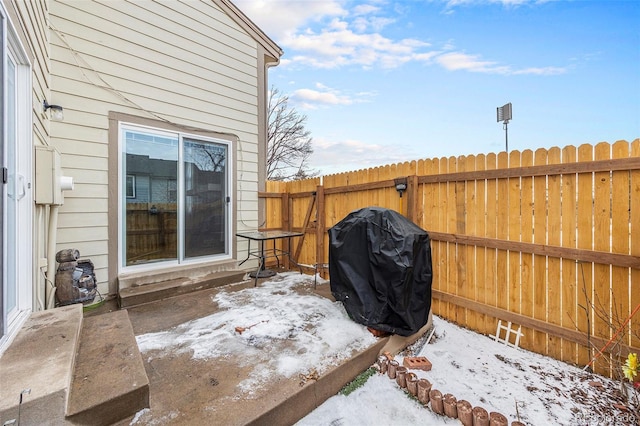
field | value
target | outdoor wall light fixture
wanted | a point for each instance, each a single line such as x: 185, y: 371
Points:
x: 56, y: 113
x: 401, y: 184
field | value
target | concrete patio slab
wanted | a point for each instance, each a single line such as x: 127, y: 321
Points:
x: 184, y: 390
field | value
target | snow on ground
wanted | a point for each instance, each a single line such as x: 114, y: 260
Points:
x: 298, y: 329
x: 542, y: 391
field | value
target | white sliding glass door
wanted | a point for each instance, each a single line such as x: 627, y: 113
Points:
x: 17, y: 199
x: 174, y: 197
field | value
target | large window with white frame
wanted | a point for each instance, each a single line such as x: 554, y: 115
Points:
x: 174, y: 197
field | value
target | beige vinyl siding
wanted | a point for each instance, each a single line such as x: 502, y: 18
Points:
x: 30, y: 18
x: 185, y: 62
x: 129, y: 38
x: 198, y: 111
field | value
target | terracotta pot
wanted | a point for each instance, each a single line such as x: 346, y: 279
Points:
x: 391, y: 368
x: 401, y: 377
x: 383, y: 364
x: 435, y: 396
x: 424, y: 387
x: 497, y: 419
x: 412, y: 383
x: 464, y: 413
x: 450, y: 406
x: 480, y: 416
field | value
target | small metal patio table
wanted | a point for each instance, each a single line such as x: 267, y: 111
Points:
x: 263, y: 253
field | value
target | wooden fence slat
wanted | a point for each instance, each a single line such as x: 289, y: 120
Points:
x: 430, y: 222
x: 585, y: 241
x: 620, y: 210
x: 443, y: 247
x: 451, y: 220
x: 462, y: 277
x: 634, y: 216
x: 527, y: 290
x: 601, y: 298
x: 481, y: 252
x: 570, y: 289
x: 502, y: 224
x: 554, y: 278
x: 321, y: 236
x: 470, y: 218
x: 514, y: 228
x: 491, y: 257
x: 540, y: 262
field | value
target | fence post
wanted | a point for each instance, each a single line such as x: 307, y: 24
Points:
x: 286, y: 224
x: 320, y: 228
x: 412, y: 198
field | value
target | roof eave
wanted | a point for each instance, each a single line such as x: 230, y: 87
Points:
x: 274, y: 52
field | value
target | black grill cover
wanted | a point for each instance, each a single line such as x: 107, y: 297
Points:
x: 380, y: 269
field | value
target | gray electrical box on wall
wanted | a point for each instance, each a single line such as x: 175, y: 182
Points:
x: 49, y: 180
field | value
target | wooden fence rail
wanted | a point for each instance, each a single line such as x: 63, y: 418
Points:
x: 549, y: 240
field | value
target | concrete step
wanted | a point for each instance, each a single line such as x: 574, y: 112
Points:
x: 109, y: 381
x: 141, y: 294
x: 36, y: 369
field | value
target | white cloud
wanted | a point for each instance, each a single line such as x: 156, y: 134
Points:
x: 542, y: 71
x: 327, y: 35
x: 339, y: 42
x: 324, y: 96
x: 277, y: 18
x: 365, y: 9
x: 506, y: 3
x: 376, y: 23
x: 455, y: 61
x: 337, y: 45
x: 336, y: 156
x: 307, y: 98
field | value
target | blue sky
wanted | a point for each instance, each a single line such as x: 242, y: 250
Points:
x: 388, y: 81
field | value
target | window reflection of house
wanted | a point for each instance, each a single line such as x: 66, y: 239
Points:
x: 154, y: 180
x: 153, y: 183
x: 205, y: 198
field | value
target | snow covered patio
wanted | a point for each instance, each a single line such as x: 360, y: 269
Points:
x: 240, y: 354
x: 273, y: 353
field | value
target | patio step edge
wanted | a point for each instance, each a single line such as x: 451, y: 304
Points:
x: 314, y: 394
x: 109, y: 380
x: 36, y: 369
x: 141, y: 294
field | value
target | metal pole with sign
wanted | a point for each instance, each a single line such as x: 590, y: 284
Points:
x: 504, y: 115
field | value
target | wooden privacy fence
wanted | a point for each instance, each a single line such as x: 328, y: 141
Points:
x: 549, y: 240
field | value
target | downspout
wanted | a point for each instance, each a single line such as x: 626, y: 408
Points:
x: 50, y: 288
x: 40, y: 302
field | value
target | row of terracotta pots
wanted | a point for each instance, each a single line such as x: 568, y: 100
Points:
x: 447, y: 404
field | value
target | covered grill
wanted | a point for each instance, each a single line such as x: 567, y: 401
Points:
x: 380, y: 269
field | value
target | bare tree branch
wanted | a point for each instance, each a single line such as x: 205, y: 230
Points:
x: 289, y: 143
